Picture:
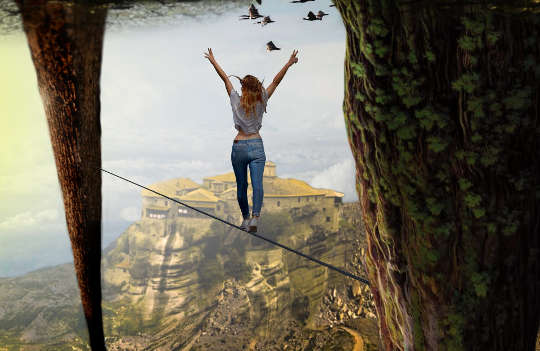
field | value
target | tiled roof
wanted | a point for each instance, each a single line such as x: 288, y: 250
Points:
x: 170, y: 187
x: 225, y: 177
x: 279, y: 187
x: 330, y: 192
x: 200, y: 194
x: 289, y: 186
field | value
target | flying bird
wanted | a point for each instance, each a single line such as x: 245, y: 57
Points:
x: 311, y: 17
x: 270, y: 46
x: 265, y: 21
x: 302, y: 0
x: 332, y: 5
x: 259, y: 2
x: 253, y: 13
x: 321, y: 14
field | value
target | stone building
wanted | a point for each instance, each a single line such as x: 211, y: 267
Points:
x: 217, y: 195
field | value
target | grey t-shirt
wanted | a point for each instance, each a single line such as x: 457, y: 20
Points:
x: 253, y: 123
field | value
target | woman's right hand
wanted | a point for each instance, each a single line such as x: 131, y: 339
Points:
x: 210, y: 56
x: 293, y: 59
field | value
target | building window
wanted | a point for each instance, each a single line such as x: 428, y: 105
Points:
x: 298, y: 199
x: 217, y: 207
x: 278, y: 203
x: 324, y: 209
x: 328, y: 219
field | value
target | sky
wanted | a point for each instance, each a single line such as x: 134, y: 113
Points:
x: 166, y: 114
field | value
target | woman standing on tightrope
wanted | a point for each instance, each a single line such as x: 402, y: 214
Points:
x: 248, y: 148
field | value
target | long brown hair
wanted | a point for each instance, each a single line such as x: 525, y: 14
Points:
x: 251, y: 93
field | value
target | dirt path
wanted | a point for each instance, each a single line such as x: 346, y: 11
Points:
x: 358, y: 340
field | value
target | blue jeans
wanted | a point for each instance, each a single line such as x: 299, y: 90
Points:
x: 249, y: 152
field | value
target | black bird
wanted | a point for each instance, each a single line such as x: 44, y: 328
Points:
x: 253, y: 13
x: 265, y: 21
x: 321, y: 14
x: 311, y: 17
x: 270, y: 46
x: 332, y: 5
x: 259, y: 2
x: 302, y: 0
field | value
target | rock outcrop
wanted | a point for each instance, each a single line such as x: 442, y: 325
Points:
x: 194, y: 283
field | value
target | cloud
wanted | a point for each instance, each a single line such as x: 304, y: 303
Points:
x: 341, y: 177
x: 130, y: 214
x: 29, y: 219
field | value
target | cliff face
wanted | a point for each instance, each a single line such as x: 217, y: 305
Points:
x: 196, y: 283
x: 212, y: 283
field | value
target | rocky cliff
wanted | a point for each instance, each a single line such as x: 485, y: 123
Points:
x: 198, y: 284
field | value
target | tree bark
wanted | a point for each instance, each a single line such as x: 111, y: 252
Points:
x: 441, y: 108
x: 65, y: 40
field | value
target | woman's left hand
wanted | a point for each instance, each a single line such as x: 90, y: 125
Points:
x: 210, y: 56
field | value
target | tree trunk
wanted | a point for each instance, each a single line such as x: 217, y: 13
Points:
x: 65, y: 41
x: 441, y: 107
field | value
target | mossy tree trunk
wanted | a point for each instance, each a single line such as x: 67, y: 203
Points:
x: 65, y: 41
x: 442, y: 115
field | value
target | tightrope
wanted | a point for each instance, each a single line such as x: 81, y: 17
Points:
x: 327, y: 265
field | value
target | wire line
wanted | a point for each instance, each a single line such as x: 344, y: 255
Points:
x: 327, y: 265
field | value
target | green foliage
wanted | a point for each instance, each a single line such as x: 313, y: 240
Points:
x: 434, y: 206
x: 399, y: 118
x: 479, y: 212
x: 376, y: 27
x: 480, y: 282
x: 360, y: 96
x: 476, y: 106
x: 492, y: 37
x: 358, y: 69
x: 473, y: 25
x: 467, y: 42
x: 430, y: 56
x: 380, y: 48
x: 428, y: 118
x: 472, y: 200
x: 454, y: 323
x: 467, y: 82
x: 436, y: 144
x: 464, y: 184
x: 406, y: 132
x: 465, y: 132
x: 518, y: 99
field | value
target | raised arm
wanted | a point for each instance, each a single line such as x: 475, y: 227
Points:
x: 210, y: 56
x: 292, y: 60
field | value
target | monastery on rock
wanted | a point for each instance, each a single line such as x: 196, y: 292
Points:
x: 217, y: 195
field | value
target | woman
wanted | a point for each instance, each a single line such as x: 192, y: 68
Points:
x: 248, y: 148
